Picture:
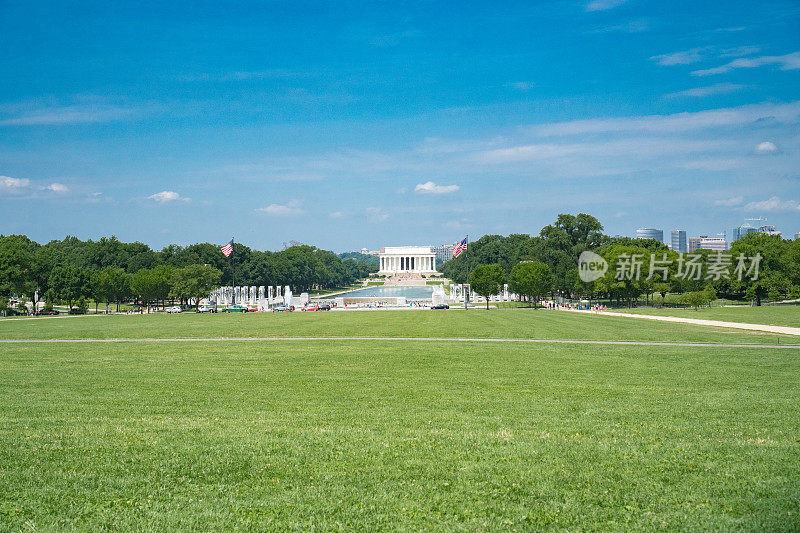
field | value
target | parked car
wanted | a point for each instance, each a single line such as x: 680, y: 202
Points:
x: 252, y: 309
x: 45, y: 312
x: 310, y: 307
x: 76, y: 311
x: 174, y: 309
x: 208, y: 308
x: 440, y: 306
x: 324, y: 307
x: 13, y: 312
x: 235, y: 309
x: 283, y: 309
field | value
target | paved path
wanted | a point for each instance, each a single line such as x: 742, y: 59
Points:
x: 404, y: 339
x: 784, y: 330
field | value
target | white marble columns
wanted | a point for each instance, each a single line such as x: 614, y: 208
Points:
x: 407, y: 259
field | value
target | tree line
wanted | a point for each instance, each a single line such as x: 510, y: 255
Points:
x: 547, y: 264
x: 111, y: 271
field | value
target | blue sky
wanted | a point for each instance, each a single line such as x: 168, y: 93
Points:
x: 344, y: 124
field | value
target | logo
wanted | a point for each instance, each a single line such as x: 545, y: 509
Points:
x: 591, y: 267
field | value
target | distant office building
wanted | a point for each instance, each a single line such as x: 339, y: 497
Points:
x: 443, y: 252
x: 717, y: 244
x: 679, y: 243
x: 704, y: 242
x: 743, y: 230
x: 746, y: 229
x: 769, y: 229
x: 650, y: 233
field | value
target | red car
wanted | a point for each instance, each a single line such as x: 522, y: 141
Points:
x: 310, y: 307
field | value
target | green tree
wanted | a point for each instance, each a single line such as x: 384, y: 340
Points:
x: 42, y: 265
x: 777, y: 266
x: 662, y: 288
x: 700, y: 298
x: 70, y: 283
x: 194, y: 281
x: 113, y: 285
x: 15, y: 264
x: 486, y: 280
x: 152, y: 284
x: 531, y: 279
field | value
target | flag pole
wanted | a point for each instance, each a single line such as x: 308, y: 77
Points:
x: 466, y: 252
x: 233, y: 265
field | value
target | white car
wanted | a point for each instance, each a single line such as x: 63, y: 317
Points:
x: 174, y: 309
x: 208, y: 308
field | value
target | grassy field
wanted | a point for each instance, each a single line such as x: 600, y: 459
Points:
x: 371, y: 435
x: 475, y: 323
x: 774, y: 315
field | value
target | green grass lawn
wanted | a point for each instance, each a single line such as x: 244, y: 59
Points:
x: 395, y: 435
x: 510, y: 305
x: 475, y: 323
x: 774, y: 315
x: 376, y: 435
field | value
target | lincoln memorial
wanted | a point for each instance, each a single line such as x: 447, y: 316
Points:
x: 407, y: 259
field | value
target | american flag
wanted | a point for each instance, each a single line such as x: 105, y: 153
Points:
x: 460, y: 247
x: 227, y: 249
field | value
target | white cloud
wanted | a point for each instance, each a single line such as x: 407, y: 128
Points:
x: 13, y: 185
x: 164, y: 197
x: 291, y: 209
x: 699, y: 92
x: 97, y: 197
x: 633, y: 26
x: 695, y: 55
x: 740, y: 51
x: 336, y: 214
x: 773, y: 204
x: 522, y: 85
x: 376, y: 214
x: 430, y: 187
x: 459, y: 224
x: 602, y: 5
x: 786, y: 62
x: 58, y: 188
x: 684, y: 57
x: 785, y: 113
x: 638, y: 147
x: 73, y: 114
x: 715, y: 164
x: 766, y: 148
x: 730, y: 202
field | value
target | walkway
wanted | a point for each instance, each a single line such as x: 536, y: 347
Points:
x: 783, y: 330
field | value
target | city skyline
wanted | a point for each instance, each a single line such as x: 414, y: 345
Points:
x: 355, y: 125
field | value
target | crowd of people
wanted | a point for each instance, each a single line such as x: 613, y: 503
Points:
x: 569, y: 306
